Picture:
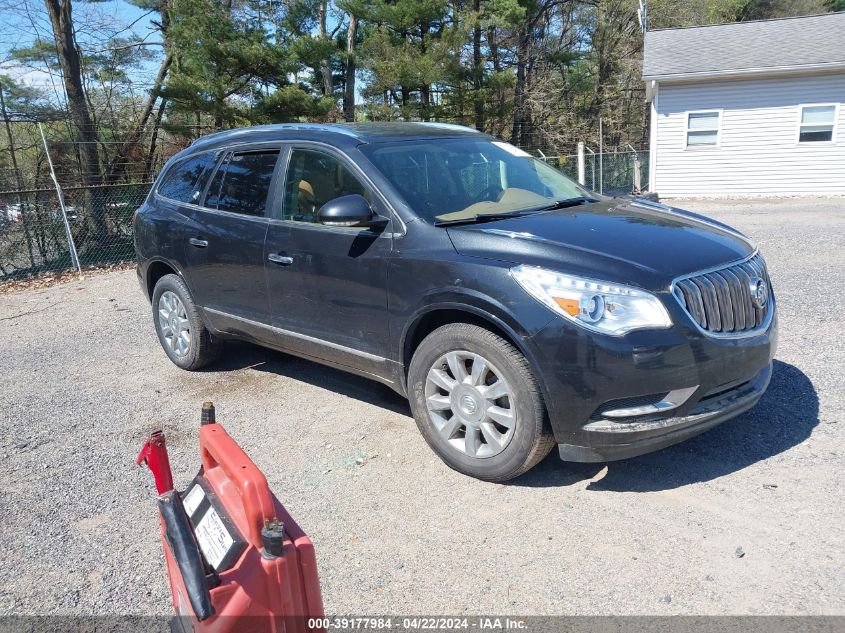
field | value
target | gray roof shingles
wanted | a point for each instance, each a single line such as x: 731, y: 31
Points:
x: 785, y: 44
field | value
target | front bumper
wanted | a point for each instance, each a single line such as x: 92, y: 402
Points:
x: 612, y: 440
x: 584, y: 375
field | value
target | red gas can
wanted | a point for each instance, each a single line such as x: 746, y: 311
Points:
x: 237, y: 561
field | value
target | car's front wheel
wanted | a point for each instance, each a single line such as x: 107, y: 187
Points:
x: 181, y: 332
x: 477, y: 403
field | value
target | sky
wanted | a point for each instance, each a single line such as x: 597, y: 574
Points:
x: 22, y: 20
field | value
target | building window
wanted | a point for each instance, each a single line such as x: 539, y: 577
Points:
x: 702, y: 129
x: 817, y: 123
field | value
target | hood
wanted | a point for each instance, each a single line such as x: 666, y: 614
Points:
x: 631, y: 241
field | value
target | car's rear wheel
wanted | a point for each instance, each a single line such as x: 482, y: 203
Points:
x: 477, y: 403
x: 181, y: 332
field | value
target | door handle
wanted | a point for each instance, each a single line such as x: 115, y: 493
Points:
x: 282, y: 260
x: 198, y: 242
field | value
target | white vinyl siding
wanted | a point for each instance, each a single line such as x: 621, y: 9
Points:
x: 757, y: 151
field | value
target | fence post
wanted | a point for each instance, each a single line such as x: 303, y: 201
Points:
x: 638, y: 181
x: 601, y: 158
x: 582, y: 178
x: 592, y: 168
x: 74, y: 258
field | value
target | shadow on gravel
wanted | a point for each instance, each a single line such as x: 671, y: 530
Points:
x: 242, y: 355
x: 784, y: 417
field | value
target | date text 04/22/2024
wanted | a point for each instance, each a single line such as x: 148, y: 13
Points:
x: 418, y: 623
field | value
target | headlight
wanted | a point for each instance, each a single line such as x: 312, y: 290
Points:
x: 595, y: 305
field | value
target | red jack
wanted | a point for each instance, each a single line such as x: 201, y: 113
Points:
x: 154, y: 454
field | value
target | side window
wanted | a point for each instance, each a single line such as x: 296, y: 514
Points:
x: 314, y: 178
x: 185, y: 180
x: 242, y: 183
x: 212, y: 196
x: 702, y: 129
x: 817, y: 124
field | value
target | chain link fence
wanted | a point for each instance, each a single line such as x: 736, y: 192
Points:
x: 610, y: 173
x: 33, y: 236
x: 32, y: 227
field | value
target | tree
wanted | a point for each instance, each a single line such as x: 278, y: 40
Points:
x: 133, y: 139
x: 61, y: 20
x: 225, y: 66
x: 350, y: 63
x: 323, y: 37
x: 411, y: 47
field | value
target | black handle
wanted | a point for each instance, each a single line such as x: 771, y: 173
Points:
x: 183, y: 545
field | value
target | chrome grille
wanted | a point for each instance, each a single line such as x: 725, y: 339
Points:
x: 720, y: 300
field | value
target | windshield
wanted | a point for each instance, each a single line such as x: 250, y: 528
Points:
x: 455, y: 179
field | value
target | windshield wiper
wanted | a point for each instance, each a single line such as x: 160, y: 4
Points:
x: 483, y: 217
x: 569, y: 202
x: 490, y: 217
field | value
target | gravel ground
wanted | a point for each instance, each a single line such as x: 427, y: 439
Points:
x: 746, y: 519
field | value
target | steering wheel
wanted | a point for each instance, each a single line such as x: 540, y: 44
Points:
x: 492, y: 193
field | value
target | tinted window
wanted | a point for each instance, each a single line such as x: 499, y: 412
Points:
x: 184, y: 181
x: 242, y: 183
x: 315, y: 178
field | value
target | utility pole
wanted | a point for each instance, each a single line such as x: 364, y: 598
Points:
x: 642, y: 15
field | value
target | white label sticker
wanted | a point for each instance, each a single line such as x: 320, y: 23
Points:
x: 213, y: 538
x: 193, y: 499
x: 511, y: 149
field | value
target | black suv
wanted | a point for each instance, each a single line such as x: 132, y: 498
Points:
x: 515, y: 309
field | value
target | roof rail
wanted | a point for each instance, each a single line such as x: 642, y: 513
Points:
x: 340, y: 128
x: 449, y: 126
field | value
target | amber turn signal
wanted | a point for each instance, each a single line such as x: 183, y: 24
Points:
x: 570, y: 306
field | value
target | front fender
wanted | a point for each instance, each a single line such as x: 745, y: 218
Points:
x: 471, y: 302
x: 486, y: 308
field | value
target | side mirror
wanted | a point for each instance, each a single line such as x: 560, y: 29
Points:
x: 351, y: 210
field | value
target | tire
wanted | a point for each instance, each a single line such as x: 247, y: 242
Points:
x: 191, y: 352
x: 465, y: 435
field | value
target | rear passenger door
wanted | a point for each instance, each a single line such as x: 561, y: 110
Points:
x: 225, y: 243
x: 179, y: 190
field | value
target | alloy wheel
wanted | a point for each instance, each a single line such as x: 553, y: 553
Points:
x: 470, y: 404
x: 173, y: 320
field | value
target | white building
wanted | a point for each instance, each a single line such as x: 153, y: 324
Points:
x: 748, y: 109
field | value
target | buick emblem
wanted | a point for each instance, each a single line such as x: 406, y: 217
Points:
x: 759, y: 292
x: 469, y: 405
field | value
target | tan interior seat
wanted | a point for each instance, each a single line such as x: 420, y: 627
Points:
x: 320, y: 180
x: 305, y: 199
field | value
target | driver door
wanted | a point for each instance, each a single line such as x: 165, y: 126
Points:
x: 327, y: 285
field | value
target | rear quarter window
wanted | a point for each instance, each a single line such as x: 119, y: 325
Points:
x: 185, y: 180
